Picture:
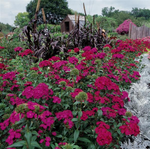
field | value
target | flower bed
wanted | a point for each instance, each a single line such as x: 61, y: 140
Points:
x: 78, y: 102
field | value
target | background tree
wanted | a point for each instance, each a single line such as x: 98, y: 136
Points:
x: 6, y: 28
x: 137, y: 12
x: 109, y: 12
x: 22, y: 19
x: 59, y: 8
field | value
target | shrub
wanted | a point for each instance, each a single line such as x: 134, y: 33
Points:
x: 124, y: 27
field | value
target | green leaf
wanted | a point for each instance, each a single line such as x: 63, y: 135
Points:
x: 100, y: 113
x: 77, y: 102
x: 76, y: 135
x: 35, y: 144
x: 35, y: 133
x: 74, y: 120
x: 59, y: 136
x: 119, y: 125
x: 79, y: 114
x: 91, y: 146
x: 84, y: 140
x: 18, y: 144
x: 33, y: 138
x: 53, y: 146
x: 28, y: 136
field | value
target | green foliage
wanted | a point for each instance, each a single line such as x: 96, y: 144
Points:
x: 109, y: 24
x: 122, y: 37
x: 51, y: 27
x: 109, y: 12
x: 11, y: 44
x: 22, y: 19
x: 138, y: 13
x: 6, y: 28
x: 57, y: 7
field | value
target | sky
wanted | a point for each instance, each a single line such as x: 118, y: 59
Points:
x: 10, y: 8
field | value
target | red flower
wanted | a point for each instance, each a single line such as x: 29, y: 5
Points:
x: 104, y: 137
x: 130, y: 129
x: 45, y: 63
x: 26, y: 52
x: 2, y: 66
x: 76, y: 50
x: 2, y: 47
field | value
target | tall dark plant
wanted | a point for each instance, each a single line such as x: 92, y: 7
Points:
x: 87, y: 35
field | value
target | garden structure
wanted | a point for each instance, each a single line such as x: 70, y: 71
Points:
x: 138, y: 32
x: 68, y: 24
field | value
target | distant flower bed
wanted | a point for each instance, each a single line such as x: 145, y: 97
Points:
x: 78, y: 102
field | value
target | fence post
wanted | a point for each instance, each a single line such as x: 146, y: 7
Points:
x: 130, y: 30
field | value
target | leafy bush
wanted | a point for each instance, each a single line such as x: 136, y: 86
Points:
x: 51, y: 27
x: 79, y: 100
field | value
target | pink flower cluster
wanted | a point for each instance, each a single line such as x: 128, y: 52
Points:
x: 45, y: 63
x: 2, y: 47
x: 25, y: 53
x: 104, y: 83
x: 108, y: 112
x: 85, y: 114
x: 13, y: 135
x: 54, y: 58
x: 56, y: 99
x: 104, y: 137
x: 17, y: 49
x: 67, y: 116
x: 118, y: 56
x: 124, y: 27
x: 76, y: 92
x: 2, y: 66
x: 40, y: 91
x: 9, y: 75
x: 13, y: 99
x: 73, y: 60
x: 47, y: 141
x: 130, y: 129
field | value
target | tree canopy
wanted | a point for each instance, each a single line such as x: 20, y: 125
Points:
x: 21, y: 19
x: 137, y: 12
x: 59, y: 8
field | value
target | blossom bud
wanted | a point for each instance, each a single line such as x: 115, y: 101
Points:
x: 62, y: 83
x: 71, y: 66
x: 89, y: 77
x: 98, y: 61
x: 106, y: 48
x: 95, y: 76
x: 6, y: 116
x: 7, y: 110
x: 20, y: 75
x: 61, y: 53
x: 81, y: 96
x: 69, y: 89
x: 20, y: 69
x: 2, y: 106
x: 74, y: 72
x: 37, y: 109
x: 33, y: 75
x: 128, y: 114
x: 81, y: 51
x: 9, y: 68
